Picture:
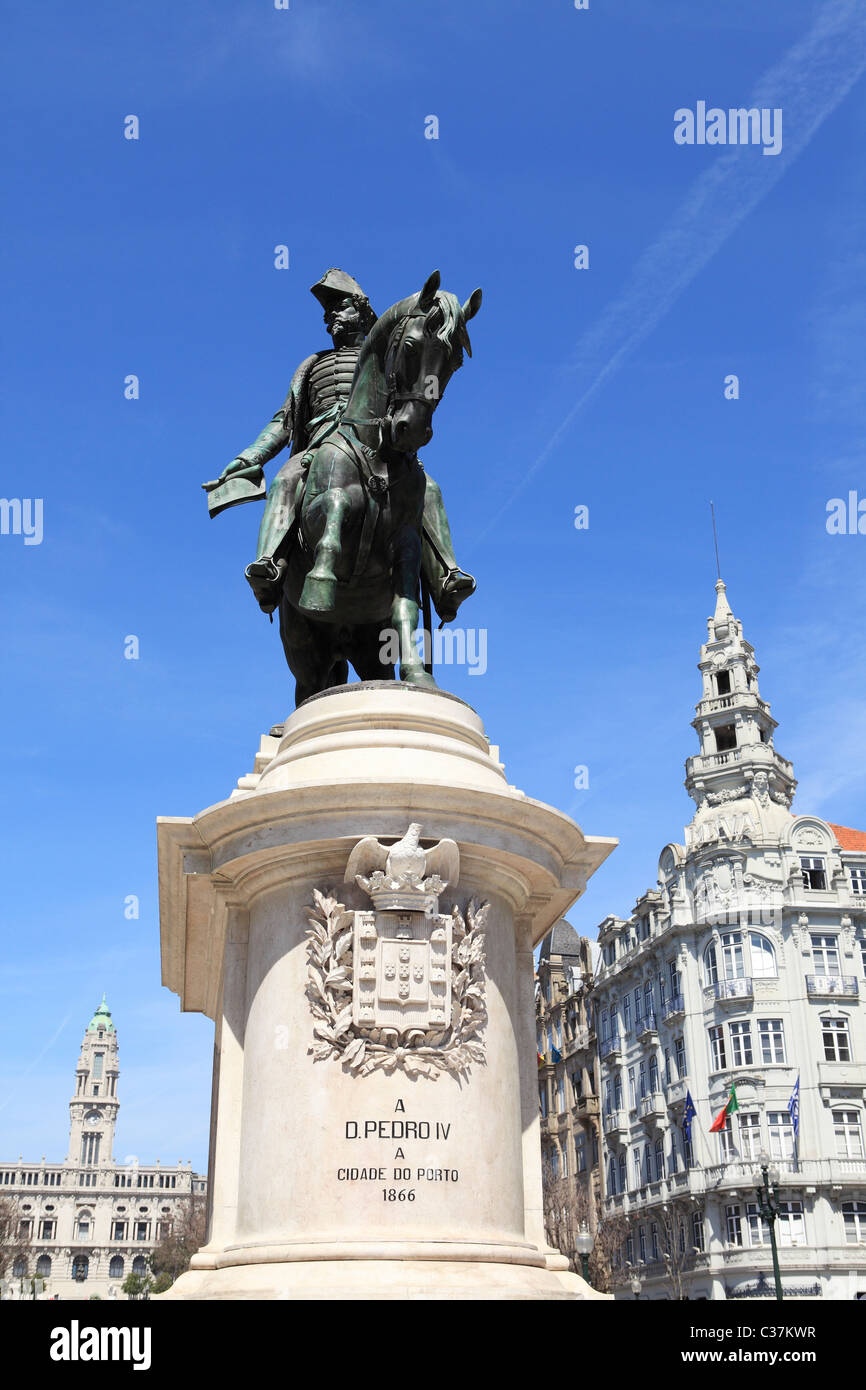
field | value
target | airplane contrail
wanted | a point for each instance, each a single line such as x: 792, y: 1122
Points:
x: 809, y: 82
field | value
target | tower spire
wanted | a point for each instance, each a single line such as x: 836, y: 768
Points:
x: 732, y: 721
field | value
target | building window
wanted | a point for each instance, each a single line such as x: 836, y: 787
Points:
x: 642, y: 1078
x: 837, y: 1045
x: 750, y: 1134
x: 617, y: 1092
x: 674, y: 978
x: 772, y: 1038
x: 734, y: 1225
x: 698, y: 1231
x: 726, y: 737
x: 741, y: 1044
x: 605, y: 1025
x: 43, y: 1267
x: 781, y: 1131
x: 849, y: 1135
x: 641, y: 1242
x: 854, y: 1215
x: 648, y: 999
x: 580, y: 1152
x: 759, y: 1230
x: 560, y: 1094
x: 542, y: 1100
x: 115, y: 1268
x: 825, y: 955
x: 718, y: 1056
x: 680, y: 1050
x: 791, y: 1229
x: 653, y: 1074
x: 638, y: 1013
x: 626, y: 1015
x: 25, y: 1229
x: 662, y: 992
x: 629, y: 1249
x: 814, y: 872
x: 637, y: 1170
x: 141, y: 1226
x: 654, y: 1241
x: 632, y: 1087
x: 47, y: 1229
x: 668, y: 1073
x: 622, y: 1171
x: 858, y: 879
x: 139, y: 1265
x: 660, y: 1159
x: 727, y: 1148
x: 118, y: 1230
x: 98, y: 1058
x: 763, y: 957
x: 723, y: 682
x: 611, y: 1176
x: 19, y: 1268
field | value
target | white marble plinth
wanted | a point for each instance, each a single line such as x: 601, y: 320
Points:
x: 305, y: 1152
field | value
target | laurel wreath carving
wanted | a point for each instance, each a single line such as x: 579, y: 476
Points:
x: 330, y: 977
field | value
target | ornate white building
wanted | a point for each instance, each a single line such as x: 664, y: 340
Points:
x: 92, y: 1221
x: 744, y: 966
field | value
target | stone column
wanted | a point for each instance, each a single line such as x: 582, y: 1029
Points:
x: 379, y: 1173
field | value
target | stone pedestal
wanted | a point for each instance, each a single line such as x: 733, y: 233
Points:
x: 407, y: 1174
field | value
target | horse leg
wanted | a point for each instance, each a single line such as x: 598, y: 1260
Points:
x: 320, y: 586
x: 309, y: 654
x: 367, y: 653
x: 404, y: 608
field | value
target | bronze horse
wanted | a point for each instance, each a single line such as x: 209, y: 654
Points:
x: 352, y: 569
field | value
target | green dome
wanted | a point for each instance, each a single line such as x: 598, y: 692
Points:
x: 101, y: 1019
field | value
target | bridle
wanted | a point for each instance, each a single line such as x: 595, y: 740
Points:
x: 394, y: 397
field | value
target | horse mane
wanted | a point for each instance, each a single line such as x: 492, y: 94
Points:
x: 445, y: 316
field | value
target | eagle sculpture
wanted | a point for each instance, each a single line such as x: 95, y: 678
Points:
x: 405, y: 864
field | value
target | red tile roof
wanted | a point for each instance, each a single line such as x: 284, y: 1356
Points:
x: 848, y: 838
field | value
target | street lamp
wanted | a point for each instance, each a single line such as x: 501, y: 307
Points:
x: 635, y: 1284
x: 768, y: 1206
x: 583, y: 1244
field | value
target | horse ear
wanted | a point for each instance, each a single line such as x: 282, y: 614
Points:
x: 428, y: 294
x: 472, y: 305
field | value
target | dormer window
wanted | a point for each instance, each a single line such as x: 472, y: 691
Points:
x: 814, y: 873
x: 723, y: 683
x: 726, y: 737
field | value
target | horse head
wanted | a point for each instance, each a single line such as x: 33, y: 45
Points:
x: 419, y: 344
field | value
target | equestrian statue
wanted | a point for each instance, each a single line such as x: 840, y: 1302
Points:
x: 355, y: 535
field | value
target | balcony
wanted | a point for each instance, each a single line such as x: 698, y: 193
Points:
x: 610, y: 1048
x: 615, y: 1124
x: 727, y: 990
x: 652, y: 1108
x: 675, y: 1092
x: 647, y: 1028
x: 585, y: 1107
x: 825, y: 985
x: 674, y: 1009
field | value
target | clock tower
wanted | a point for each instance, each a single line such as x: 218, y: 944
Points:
x: 94, y: 1104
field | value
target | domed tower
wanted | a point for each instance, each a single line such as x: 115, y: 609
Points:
x: 94, y: 1104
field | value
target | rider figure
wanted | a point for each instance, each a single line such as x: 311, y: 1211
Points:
x: 315, y: 403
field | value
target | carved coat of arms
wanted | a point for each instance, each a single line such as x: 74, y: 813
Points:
x: 400, y: 984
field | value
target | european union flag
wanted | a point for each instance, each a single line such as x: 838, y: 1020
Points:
x: 794, y: 1107
x: 689, y: 1113
x: 557, y: 1055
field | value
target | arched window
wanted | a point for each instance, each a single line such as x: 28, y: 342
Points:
x: 623, y: 1178
x: 611, y: 1176
x: 763, y: 956
x: 43, y: 1267
x: 139, y: 1265
x: 80, y: 1268
x: 115, y: 1269
x: 19, y: 1268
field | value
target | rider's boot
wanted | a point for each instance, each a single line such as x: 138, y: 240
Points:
x: 265, y: 578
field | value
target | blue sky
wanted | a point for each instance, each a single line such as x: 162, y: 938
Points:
x: 602, y: 387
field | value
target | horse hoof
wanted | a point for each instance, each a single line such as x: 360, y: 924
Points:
x: 413, y: 675
x: 318, y: 595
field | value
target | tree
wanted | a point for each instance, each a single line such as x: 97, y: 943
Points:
x: 137, y: 1285
x: 569, y: 1204
x: 186, y: 1235
x: 15, y: 1240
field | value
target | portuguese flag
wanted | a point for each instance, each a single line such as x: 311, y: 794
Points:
x: 730, y: 1105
